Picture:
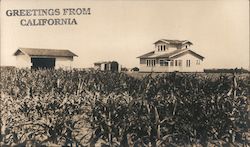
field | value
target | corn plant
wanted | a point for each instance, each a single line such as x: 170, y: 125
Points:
x: 94, y: 108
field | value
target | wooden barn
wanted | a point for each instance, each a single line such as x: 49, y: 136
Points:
x: 35, y: 58
x: 108, y: 66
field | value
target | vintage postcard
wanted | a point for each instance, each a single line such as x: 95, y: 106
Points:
x: 124, y: 73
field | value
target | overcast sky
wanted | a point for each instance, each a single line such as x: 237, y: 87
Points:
x: 123, y: 30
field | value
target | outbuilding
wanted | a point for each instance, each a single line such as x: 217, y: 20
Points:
x: 35, y: 58
x: 108, y: 66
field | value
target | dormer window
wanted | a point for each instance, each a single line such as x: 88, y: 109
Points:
x: 161, y: 48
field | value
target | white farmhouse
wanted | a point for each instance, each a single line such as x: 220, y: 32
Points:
x: 44, y: 58
x: 171, y: 55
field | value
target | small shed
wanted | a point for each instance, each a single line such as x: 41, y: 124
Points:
x: 35, y: 58
x: 107, y: 66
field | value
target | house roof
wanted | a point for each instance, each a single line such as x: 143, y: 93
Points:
x: 175, y: 52
x: 186, y: 52
x: 170, y: 55
x: 168, y: 41
x: 44, y: 52
x: 147, y: 55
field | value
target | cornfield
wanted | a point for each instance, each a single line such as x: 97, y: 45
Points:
x: 96, y: 108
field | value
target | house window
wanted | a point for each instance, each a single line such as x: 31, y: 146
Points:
x: 180, y: 63
x: 176, y: 62
x: 198, y: 62
x: 163, y: 63
x: 188, y: 63
x: 150, y: 62
x: 167, y: 63
x: 164, y: 47
x: 158, y: 48
x: 171, y: 63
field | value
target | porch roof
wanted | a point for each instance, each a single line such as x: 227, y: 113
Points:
x: 174, y: 54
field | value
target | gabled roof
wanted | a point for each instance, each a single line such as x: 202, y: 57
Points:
x: 168, y: 41
x: 44, y: 52
x: 186, y: 52
x: 147, y: 55
x: 170, y: 55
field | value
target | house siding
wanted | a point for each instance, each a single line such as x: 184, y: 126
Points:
x: 142, y: 61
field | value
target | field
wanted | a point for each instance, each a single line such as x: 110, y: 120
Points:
x: 94, y: 108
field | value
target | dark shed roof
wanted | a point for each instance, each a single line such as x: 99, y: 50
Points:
x: 44, y: 52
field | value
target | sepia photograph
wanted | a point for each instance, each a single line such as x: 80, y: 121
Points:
x: 124, y: 73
